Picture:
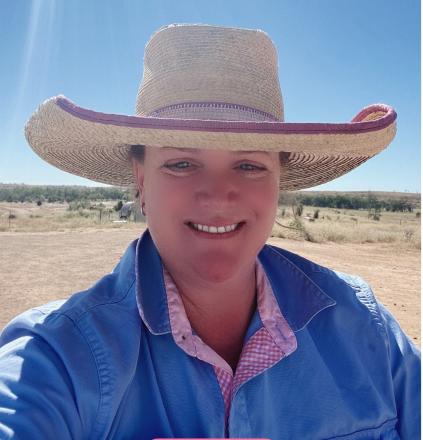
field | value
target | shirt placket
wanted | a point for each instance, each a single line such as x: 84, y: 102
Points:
x: 266, y: 347
x: 259, y: 354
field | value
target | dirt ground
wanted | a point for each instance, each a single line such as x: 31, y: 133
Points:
x: 36, y: 268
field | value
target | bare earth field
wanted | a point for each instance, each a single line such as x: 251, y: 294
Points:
x: 38, y: 267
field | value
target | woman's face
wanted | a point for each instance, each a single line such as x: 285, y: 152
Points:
x: 182, y: 187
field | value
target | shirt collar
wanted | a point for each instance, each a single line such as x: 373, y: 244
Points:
x: 268, y: 312
x: 298, y: 297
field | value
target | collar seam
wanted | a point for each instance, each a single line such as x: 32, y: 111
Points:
x: 287, y: 261
x: 318, y: 291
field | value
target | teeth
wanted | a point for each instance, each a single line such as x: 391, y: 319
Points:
x: 215, y: 229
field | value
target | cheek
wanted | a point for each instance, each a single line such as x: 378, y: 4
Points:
x: 263, y: 198
x: 165, y: 198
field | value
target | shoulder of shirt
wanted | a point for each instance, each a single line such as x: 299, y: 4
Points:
x: 78, y: 330
x: 346, y: 289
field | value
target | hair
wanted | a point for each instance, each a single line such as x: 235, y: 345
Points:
x: 137, y: 152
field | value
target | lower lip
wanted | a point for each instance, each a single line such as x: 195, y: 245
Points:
x: 217, y: 235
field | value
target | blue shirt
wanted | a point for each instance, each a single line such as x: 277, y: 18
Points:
x: 104, y: 364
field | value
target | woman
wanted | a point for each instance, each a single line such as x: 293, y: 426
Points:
x: 202, y: 329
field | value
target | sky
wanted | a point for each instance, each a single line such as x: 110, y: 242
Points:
x: 335, y: 57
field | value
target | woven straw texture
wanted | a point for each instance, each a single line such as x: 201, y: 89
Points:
x: 204, y: 63
x: 206, y: 87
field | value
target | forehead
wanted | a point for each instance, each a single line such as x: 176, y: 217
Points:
x: 199, y: 151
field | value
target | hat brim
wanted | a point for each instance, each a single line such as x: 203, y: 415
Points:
x: 95, y: 145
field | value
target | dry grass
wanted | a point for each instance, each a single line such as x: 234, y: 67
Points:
x: 28, y: 217
x: 332, y: 225
x: 351, y: 226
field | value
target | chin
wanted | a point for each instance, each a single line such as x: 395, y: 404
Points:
x: 217, y: 268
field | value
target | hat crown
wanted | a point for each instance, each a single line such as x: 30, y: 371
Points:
x: 196, y: 71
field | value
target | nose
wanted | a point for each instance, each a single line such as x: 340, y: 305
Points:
x: 217, y: 191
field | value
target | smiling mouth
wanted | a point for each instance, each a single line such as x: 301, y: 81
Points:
x: 215, y: 229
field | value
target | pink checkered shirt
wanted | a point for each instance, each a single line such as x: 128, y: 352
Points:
x: 267, y: 346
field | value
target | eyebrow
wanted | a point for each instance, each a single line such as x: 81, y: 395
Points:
x: 197, y: 150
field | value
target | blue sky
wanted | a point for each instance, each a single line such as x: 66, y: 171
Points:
x: 335, y: 57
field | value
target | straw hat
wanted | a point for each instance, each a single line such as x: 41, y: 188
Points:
x: 207, y: 87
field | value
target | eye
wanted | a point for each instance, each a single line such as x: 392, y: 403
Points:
x: 250, y: 167
x: 182, y: 165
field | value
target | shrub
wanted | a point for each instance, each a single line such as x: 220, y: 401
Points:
x: 408, y: 234
x: 374, y: 214
x: 79, y: 204
x: 298, y: 224
x: 83, y: 213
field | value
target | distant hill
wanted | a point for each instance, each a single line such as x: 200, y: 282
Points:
x: 11, y: 192
x: 370, y: 200
x: 380, y: 195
